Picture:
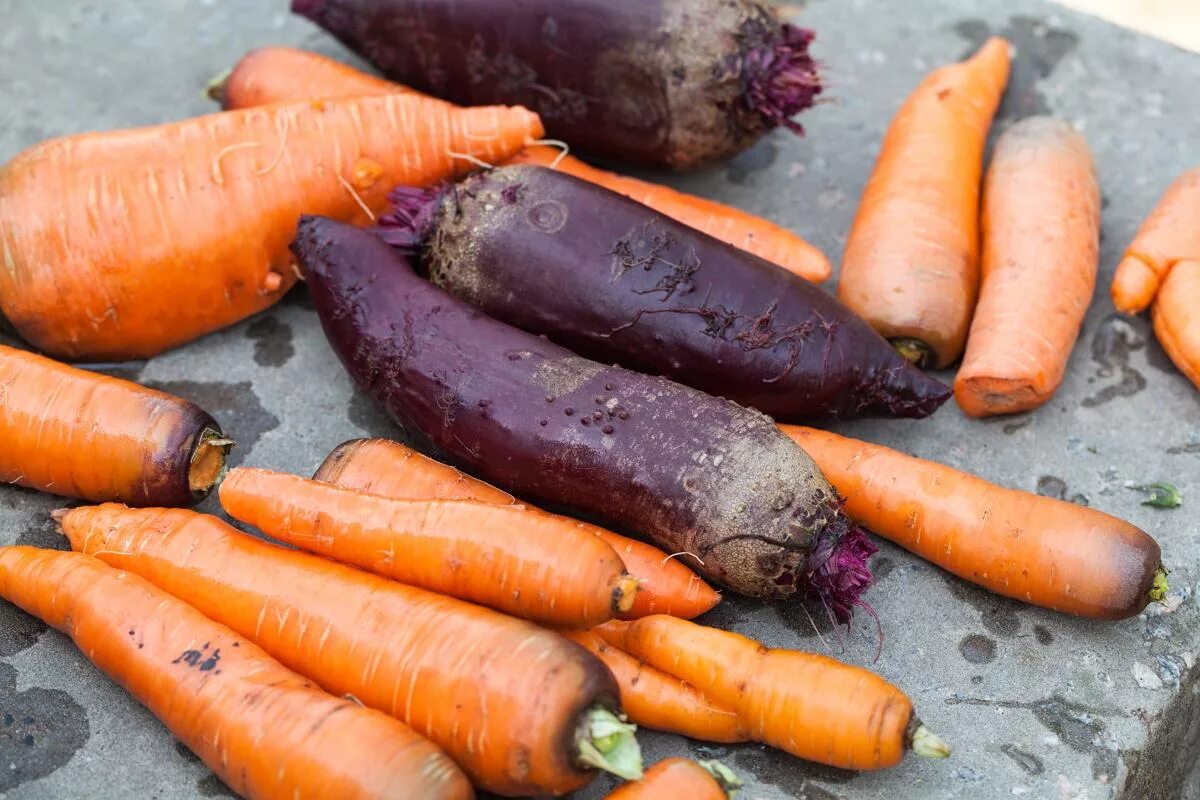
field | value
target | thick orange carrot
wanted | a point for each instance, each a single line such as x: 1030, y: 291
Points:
x: 275, y: 74
x: 656, y: 700
x: 123, y: 244
x: 1177, y: 317
x: 1169, y: 235
x: 82, y: 434
x: 805, y: 704
x: 521, y: 709
x: 1041, y: 248
x: 681, y: 779
x: 379, y: 466
x: 1037, y: 549
x: 911, y: 266
x: 526, y: 563
x: 264, y: 730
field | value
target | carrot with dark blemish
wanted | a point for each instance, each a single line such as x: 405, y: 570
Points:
x: 264, y: 730
x: 524, y: 562
x: 383, y: 467
x: 1169, y: 235
x: 681, y: 779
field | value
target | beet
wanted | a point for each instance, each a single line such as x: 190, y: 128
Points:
x: 675, y: 83
x: 694, y: 473
x: 618, y: 282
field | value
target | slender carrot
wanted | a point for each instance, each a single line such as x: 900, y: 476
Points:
x: 1041, y: 248
x: 274, y: 74
x: 379, y: 466
x: 681, y: 779
x: 805, y: 704
x: 82, y: 434
x: 123, y: 244
x: 264, y: 730
x: 526, y: 563
x: 1169, y: 235
x: 659, y: 701
x: 1177, y: 318
x: 911, y: 266
x: 1043, y: 551
x: 522, y: 710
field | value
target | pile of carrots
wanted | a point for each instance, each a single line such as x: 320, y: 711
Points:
x: 424, y: 633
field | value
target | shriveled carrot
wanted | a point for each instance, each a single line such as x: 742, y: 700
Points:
x: 264, y: 730
x: 274, y: 74
x: 81, y: 434
x: 521, y: 709
x: 123, y: 244
x: 1043, y: 551
x: 805, y: 704
x: 1169, y: 235
x: 1177, y: 317
x: 383, y: 467
x: 681, y: 779
x: 527, y: 563
x: 1041, y: 248
x: 911, y: 266
x: 654, y: 699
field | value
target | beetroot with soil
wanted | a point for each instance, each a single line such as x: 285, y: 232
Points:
x: 675, y: 83
x: 694, y: 473
x: 618, y: 282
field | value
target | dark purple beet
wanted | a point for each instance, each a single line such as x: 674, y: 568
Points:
x: 675, y: 83
x: 694, y: 473
x: 618, y: 282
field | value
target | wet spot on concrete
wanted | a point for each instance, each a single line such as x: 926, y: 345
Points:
x: 795, y: 778
x: 1030, y: 763
x: 212, y: 786
x: 1077, y: 726
x: 1111, y: 345
x: 18, y: 630
x: 998, y: 614
x: 1039, y: 48
x: 978, y: 649
x: 40, y: 730
x: 364, y: 413
x: 1053, y: 486
x: 881, y: 567
x: 1184, y: 449
x: 1104, y: 765
x: 272, y: 341
x: 234, y: 405
x: 1042, y: 634
x: 743, y: 167
x: 1012, y: 427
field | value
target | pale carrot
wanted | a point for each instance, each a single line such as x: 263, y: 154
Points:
x: 1169, y: 235
x: 1177, y: 317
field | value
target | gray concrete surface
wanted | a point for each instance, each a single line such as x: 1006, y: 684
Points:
x: 1036, y: 704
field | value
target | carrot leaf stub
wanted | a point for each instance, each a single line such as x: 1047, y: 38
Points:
x: 924, y: 742
x: 607, y: 742
x: 723, y: 775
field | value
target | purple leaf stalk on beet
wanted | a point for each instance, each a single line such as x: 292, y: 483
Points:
x: 618, y: 282
x: 676, y: 83
x: 694, y: 473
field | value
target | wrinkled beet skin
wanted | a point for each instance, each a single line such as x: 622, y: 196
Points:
x: 618, y: 282
x: 618, y: 80
x: 695, y: 473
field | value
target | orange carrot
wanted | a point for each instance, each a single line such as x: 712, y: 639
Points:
x: 1043, y: 551
x: 264, y: 730
x: 123, y: 244
x: 526, y: 563
x: 274, y: 74
x: 382, y: 467
x: 656, y: 700
x: 681, y: 779
x: 1169, y: 235
x: 1177, y: 317
x: 521, y: 709
x: 82, y: 434
x: 805, y: 704
x: 911, y: 266
x: 1041, y: 248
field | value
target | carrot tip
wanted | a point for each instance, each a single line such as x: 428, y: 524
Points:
x: 723, y: 775
x: 215, y: 89
x: 607, y: 742
x: 1159, y: 586
x: 58, y: 514
x: 914, y: 351
x: 927, y: 744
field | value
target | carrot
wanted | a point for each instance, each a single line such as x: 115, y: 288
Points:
x: 275, y: 74
x: 911, y: 266
x: 1169, y: 235
x: 659, y: 701
x: 1041, y: 248
x: 681, y: 779
x: 103, y: 234
x: 1177, y: 318
x: 82, y: 434
x: 379, y: 466
x: 264, y: 730
x: 1043, y: 551
x: 526, y: 563
x: 521, y: 709
x: 805, y: 704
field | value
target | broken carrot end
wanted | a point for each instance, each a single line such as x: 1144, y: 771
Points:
x: 1159, y: 586
x: 208, y: 462
x: 925, y: 743
x: 607, y: 742
x: 625, y: 593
